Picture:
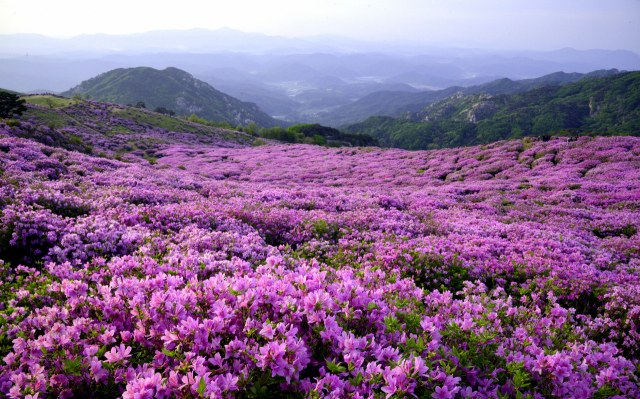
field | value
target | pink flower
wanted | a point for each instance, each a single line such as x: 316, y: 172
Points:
x: 90, y: 350
x: 267, y: 331
x: 118, y: 354
x: 126, y: 336
x: 58, y: 379
x: 10, y: 358
x: 443, y: 393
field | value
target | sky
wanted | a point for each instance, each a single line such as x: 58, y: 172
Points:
x: 491, y: 24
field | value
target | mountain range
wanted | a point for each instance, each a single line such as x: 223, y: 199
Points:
x: 593, y: 105
x: 392, y: 103
x: 172, y: 89
x: 225, y: 39
x: 296, y: 79
x: 598, y: 103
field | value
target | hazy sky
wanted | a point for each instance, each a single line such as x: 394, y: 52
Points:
x: 496, y: 24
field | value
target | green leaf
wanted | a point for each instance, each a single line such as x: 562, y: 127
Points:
x: 166, y: 352
x: 354, y: 382
x: 73, y: 367
x: 101, y: 352
x: 201, y: 387
x: 335, y: 368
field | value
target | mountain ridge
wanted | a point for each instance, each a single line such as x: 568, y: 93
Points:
x: 174, y: 89
x: 603, y: 106
x: 396, y: 103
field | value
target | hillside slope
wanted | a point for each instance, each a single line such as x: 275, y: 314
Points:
x: 173, y: 89
x: 604, y: 106
x: 9, y: 91
x: 115, y: 131
x: 395, y: 103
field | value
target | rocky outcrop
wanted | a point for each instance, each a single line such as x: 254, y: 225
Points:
x: 483, y: 109
x: 594, y: 108
x: 182, y: 103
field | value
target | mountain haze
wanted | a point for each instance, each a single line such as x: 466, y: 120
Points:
x: 173, y: 89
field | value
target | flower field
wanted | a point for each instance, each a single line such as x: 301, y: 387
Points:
x: 224, y: 271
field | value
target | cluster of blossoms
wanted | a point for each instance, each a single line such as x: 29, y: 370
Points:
x: 509, y: 270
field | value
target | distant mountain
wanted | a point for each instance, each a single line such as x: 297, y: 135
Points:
x: 42, y: 91
x: 395, y: 103
x: 270, y: 101
x: 295, y: 101
x: 435, y: 82
x: 173, y: 89
x: 507, y: 86
x: 608, y: 59
x: 386, y: 103
x: 324, y: 82
x: 605, y: 106
x: 346, y: 94
x: 190, y: 40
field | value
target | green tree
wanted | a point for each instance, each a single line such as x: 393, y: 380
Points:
x: 546, y: 123
x: 50, y: 102
x: 11, y: 104
x: 252, y: 129
x: 319, y: 140
x: 225, y: 125
x: 141, y: 104
x: 164, y: 111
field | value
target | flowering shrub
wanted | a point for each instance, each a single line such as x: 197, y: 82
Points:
x: 509, y: 270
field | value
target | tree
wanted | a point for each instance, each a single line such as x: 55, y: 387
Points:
x: 11, y: 104
x: 87, y: 96
x: 252, y: 129
x: 164, y: 111
x: 50, y: 102
x: 141, y: 104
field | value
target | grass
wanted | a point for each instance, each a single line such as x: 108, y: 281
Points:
x: 44, y: 100
x: 47, y: 117
x: 159, y: 120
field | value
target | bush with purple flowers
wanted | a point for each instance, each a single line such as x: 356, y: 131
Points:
x: 504, y: 271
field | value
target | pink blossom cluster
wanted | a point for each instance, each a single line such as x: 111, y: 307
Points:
x: 509, y: 270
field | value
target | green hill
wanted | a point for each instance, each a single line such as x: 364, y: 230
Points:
x: 9, y: 91
x: 172, y: 89
x: 604, y: 106
x: 395, y: 103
